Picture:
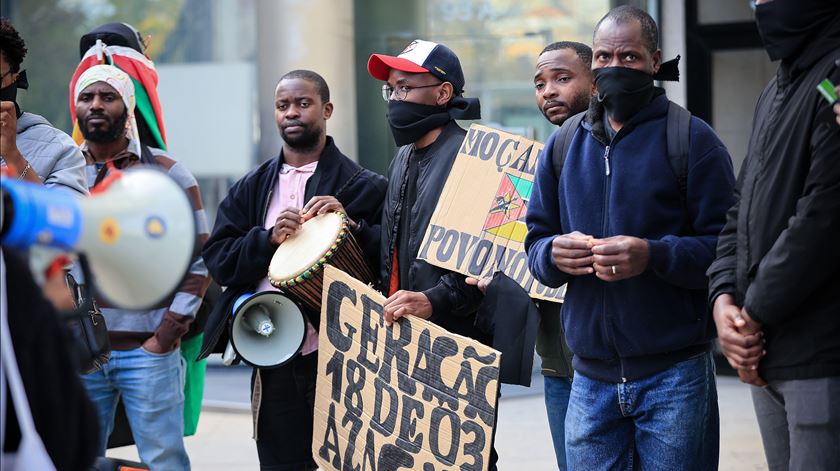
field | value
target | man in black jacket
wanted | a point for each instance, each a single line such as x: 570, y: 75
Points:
x: 423, y: 88
x: 423, y: 103
x: 774, y: 283
x: 261, y: 210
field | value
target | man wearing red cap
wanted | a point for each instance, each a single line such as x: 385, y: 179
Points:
x: 424, y: 88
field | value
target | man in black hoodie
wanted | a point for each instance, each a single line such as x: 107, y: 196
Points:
x: 774, y: 283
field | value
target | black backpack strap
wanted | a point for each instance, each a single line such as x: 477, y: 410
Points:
x: 677, y: 138
x: 563, y: 141
x: 146, y: 156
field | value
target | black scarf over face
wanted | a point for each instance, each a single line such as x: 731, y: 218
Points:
x: 411, y: 121
x: 9, y: 93
x: 786, y: 26
x: 624, y: 91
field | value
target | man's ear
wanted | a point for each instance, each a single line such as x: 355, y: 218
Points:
x: 445, y: 93
x: 657, y: 60
x: 328, y: 110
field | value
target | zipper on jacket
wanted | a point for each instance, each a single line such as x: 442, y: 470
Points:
x: 266, y: 206
x: 607, y: 161
x: 608, y: 324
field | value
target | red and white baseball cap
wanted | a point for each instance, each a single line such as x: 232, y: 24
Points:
x: 420, y: 57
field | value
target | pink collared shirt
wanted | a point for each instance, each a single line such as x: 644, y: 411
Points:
x: 289, y: 192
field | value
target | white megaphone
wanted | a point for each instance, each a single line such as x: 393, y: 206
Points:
x: 268, y: 329
x: 137, y: 232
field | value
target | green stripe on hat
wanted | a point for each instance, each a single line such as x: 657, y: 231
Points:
x: 148, y: 113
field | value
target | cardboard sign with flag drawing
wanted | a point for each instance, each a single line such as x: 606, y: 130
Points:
x: 478, y: 227
x: 407, y: 396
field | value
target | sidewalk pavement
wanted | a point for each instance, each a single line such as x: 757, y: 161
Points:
x: 522, y: 438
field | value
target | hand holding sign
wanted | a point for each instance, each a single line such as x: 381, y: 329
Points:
x: 837, y: 105
x: 480, y: 284
x: 407, y: 303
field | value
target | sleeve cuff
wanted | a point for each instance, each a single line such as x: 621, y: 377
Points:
x: 438, y: 296
x: 756, y: 312
x: 269, y: 247
x: 549, y: 274
x: 719, y: 290
x: 658, y: 251
x: 171, y: 329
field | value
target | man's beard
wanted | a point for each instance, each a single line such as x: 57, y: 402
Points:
x: 305, y: 141
x: 580, y: 102
x: 113, y: 131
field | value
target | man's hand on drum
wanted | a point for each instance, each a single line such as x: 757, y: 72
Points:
x: 287, y: 224
x: 322, y: 204
x: 407, y: 303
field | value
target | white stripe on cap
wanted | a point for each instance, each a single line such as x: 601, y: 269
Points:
x: 418, y: 51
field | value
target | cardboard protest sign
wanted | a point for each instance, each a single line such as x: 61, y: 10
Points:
x: 478, y: 227
x: 409, y: 396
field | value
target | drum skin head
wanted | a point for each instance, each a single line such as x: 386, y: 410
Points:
x: 303, y: 250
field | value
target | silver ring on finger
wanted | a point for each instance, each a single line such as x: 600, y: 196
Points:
x: 614, y: 272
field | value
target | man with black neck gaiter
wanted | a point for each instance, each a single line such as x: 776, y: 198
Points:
x: 631, y: 234
x: 774, y: 283
x: 424, y: 88
x: 37, y: 151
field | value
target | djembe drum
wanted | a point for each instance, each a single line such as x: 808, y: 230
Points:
x: 297, y: 265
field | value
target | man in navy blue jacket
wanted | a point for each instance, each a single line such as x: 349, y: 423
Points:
x: 633, y: 249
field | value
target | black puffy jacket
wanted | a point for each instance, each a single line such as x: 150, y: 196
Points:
x: 778, y: 254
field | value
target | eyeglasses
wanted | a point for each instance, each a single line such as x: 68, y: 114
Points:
x: 401, y: 92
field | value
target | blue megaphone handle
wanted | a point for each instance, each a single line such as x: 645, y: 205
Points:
x: 241, y: 299
x: 41, y: 216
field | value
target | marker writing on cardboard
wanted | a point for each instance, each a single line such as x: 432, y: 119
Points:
x: 392, y: 410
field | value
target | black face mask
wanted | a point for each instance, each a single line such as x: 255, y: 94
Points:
x: 411, y: 121
x: 10, y: 93
x: 786, y: 25
x: 623, y: 91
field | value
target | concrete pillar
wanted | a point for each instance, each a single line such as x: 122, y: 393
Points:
x: 316, y: 35
x: 672, y: 26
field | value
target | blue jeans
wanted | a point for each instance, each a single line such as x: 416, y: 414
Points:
x: 152, y: 390
x: 666, y: 421
x: 557, y: 392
